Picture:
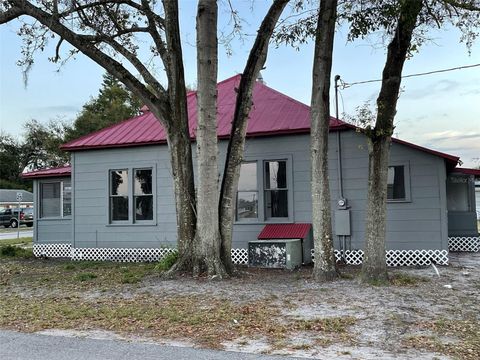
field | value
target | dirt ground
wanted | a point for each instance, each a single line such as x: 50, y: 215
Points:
x: 420, y: 315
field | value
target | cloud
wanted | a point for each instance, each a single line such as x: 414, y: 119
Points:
x: 55, y: 109
x: 464, y: 143
x: 452, y: 135
x: 470, y: 92
x: 441, y: 86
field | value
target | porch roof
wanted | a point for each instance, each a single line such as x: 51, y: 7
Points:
x: 284, y: 231
x: 61, y: 171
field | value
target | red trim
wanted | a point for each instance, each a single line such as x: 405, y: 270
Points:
x: 66, y: 146
x: 61, y: 171
x: 430, y: 151
x: 467, y: 171
x: 110, y: 146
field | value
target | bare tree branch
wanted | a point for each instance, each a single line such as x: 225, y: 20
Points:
x: 10, y: 14
x: 84, y: 44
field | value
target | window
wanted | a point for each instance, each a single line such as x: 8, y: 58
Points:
x: 247, y: 195
x: 143, y: 196
x: 458, y: 197
x: 262, y: 193
x: 119, y: 195
x: 398, y: 183
x: 276, y: 191
x: 131, y: 189
x: 55, y: 199
x: 67, y: 198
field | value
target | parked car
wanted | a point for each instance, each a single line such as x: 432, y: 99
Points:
x: 10, y: 218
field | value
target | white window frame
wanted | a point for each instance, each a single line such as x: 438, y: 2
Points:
x: 406, y: 181
x: 110, y: 196
x: 260, y: 161
x: 131, y: 197
x: 257, y: 190
x: 40, y: 198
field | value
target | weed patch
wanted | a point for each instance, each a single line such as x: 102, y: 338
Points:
x: 85, y: 276
x: 15, y: 252
x: 167, y: 261
x: 402, y: 279
x: 327, y: 325
x: 23, y: 241
x: 467, y: 332
x: 207, y: 321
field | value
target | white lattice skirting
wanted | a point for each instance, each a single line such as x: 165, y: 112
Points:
x: 397, y: 257
x: 52, y: 250
x: 239, y: 256
x: 464, y: 243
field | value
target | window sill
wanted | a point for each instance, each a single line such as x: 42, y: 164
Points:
x: 265, y: 222
x: 131, y: 224
x: 54, y: 218
x: 399, y: 201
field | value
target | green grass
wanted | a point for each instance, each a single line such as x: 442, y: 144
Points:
x: 4, y: 230
x: 167, y: 261
x: 65, y: 275
x: 85, y: 276
x: 23, y: 241
x: 12, y: 251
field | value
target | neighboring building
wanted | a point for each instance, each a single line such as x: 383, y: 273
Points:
x: 118, y: 202
x: 462, y: 202
x: 8, y: 198
x: 477, y: 198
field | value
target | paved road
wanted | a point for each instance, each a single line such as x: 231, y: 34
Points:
x: 20, y: 346
x: 13, y: 235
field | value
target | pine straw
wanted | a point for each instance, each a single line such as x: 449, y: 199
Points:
x: 457, y: 338
x: 205, y: 321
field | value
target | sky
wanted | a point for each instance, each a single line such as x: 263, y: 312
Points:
x: 439, y: 111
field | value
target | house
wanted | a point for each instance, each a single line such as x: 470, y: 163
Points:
x: 477, y: 198
x: 116, y: 201
x: 8, y: 198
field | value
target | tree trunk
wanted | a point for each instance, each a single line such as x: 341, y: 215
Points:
x: 179, y: 142
x: 234, y: 156
x: 325, y: 264
x: 207, y: 244
x: 374, y: 263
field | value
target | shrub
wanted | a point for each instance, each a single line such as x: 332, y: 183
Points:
x: 167, y: 261
x: 15, y: 251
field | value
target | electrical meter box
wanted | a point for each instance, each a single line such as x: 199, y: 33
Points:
x: 342, y: 222
x: 281, y: 253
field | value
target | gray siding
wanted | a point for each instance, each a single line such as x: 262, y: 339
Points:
x: 91, y: 225
x: 418, y: 224
x: 52, y: 230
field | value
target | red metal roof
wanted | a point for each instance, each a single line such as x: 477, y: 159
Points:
x: 51, y: 172
x: 467, y: 171
x: 272, y: 113
x: 284, y: 231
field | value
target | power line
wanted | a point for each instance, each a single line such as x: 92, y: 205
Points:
x: 347, y: 85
